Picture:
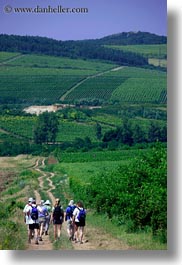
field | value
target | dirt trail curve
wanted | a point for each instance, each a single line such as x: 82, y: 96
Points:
x: 46, y: 244
x: 94, y: 238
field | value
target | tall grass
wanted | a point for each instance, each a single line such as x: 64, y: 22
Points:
x: 141, y: 240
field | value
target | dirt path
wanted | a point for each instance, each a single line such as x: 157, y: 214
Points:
x: 46, y: 244
x: 94, y: 238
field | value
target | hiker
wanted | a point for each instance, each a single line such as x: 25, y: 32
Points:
x: 25, y: 214
x: 42, y: 218
x: 47, y: 221
x: 79, y: 216
x: 57, y: 217
x: 68, y: 218
x: 24, y: 210
x: 32, y: 220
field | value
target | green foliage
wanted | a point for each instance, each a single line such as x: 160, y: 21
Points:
x: 10, y: 231
x: 46, y: 128
x: 149, y: 51
x: 141, y: 85
x: 98, y: 156
x: 4, y: 56
x: 135, y: 194
x: 130, y: 134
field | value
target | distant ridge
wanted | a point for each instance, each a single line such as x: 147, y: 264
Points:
x: 133, y: 38
x: 85, y: 49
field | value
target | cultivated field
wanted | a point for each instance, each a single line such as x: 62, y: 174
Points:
x: 30, y: 79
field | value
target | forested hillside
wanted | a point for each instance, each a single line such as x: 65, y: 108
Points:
x: 86, y: 49
x: 133, y: 38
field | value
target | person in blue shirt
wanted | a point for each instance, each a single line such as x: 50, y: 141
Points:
x: 68, y: 218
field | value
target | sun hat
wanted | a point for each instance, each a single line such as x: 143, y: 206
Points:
x: 47, y: 202
x: 71, y: 202
x: 30, y: 199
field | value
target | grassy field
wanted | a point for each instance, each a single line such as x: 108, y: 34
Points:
x: 141, y: 86
x: 149, y: 51
x: 4, y: 56
x: 129, y: 84
x: 43, y: 79
x: 88, y: 164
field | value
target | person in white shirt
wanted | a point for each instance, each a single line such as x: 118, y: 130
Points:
x: 79, y: 216
x: 24, y: 210
x: 33, y: 221
x: 25, y: 214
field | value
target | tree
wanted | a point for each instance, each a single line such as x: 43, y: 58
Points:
x: 46, y: 128
x: 138, y: 134
x: 154, y: 132
x: 98, y: 131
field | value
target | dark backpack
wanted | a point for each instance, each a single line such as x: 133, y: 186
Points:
x: 82, y: 215
x: 58, y: 213
x: 34, y: 213
x: 69, y: 211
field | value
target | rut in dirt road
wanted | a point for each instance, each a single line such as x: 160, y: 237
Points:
x: 46, y: 244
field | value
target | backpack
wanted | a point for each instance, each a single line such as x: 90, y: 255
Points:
x: 44, y: 212
x: 69, y: 212
x: 82, y: 215
x: 58, y: 213
x: 34, y: 213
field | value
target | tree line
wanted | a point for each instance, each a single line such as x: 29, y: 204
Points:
x: 47, y: 127
x: 72, y: 49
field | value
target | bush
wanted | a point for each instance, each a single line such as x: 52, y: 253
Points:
x: 136, y: 193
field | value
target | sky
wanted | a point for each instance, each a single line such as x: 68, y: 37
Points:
x: 104, y: 17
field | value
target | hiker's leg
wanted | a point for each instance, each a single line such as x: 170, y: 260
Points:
x: 37, y: 232
x: 36, y: 235
x: 47, y: 224
x: 81, y: 233
x: 30, y: 231
x: 69, y: 228
x: 72, y: 231
x: 55, y: 231
x: 41, y: 229
x: 76, y: 233
x: 59, y: 230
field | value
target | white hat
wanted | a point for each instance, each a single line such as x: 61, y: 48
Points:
x: 30, y: 199
x: 71, y: 202
x: 47, y: 202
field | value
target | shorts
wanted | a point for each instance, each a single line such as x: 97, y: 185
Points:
x: 80, y: 224
x: 34, y: 226
x: 41, y: 220
x: 69, y: 224
x: 57, y: 222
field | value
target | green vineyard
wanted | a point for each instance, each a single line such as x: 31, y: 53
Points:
x: 129, y: 84
x: 34, y: 79
x: 149, y: 51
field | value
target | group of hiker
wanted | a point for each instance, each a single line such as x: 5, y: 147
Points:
x: 38, y: 218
